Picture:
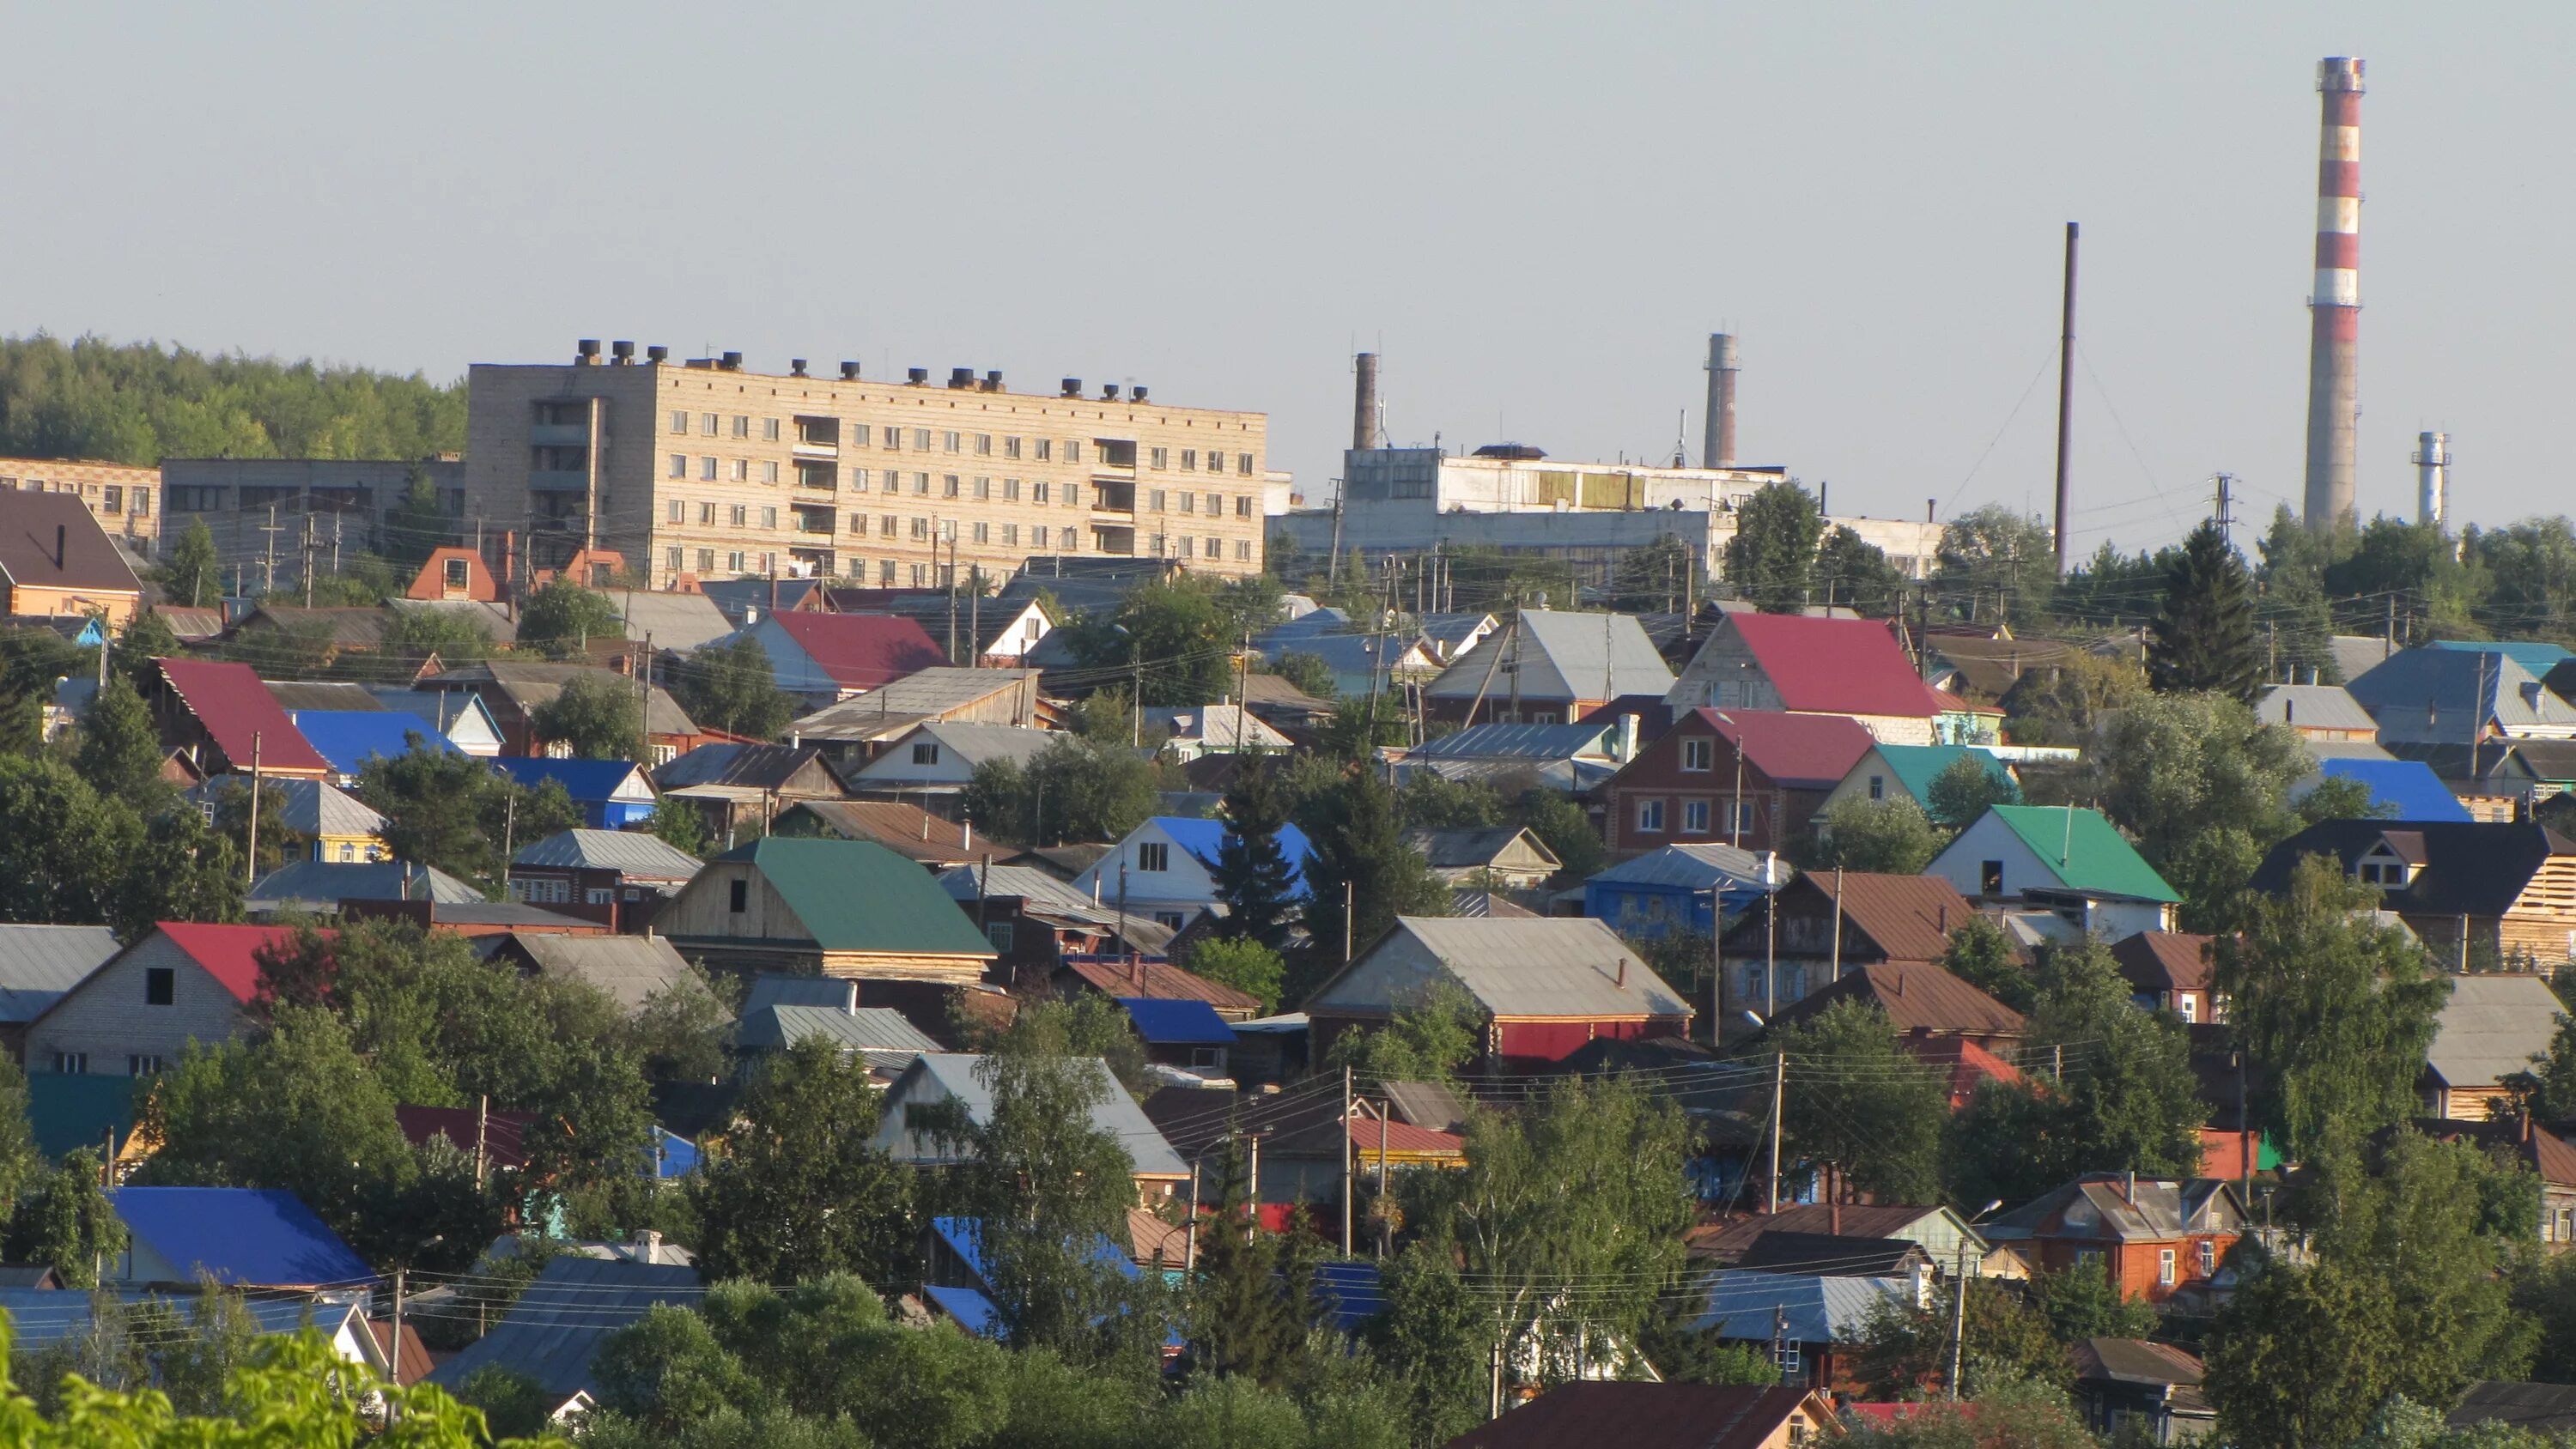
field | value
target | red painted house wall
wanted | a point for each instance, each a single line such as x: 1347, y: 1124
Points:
x: 1656, y: 774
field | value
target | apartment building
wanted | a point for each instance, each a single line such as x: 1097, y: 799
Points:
x: 704, y: 468
x: 122, y: 498
x: 256, y: 509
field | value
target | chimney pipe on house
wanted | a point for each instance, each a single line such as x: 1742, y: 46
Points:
x: 849, y: 372
x: 657, y: 353
x: 62, y: 545
x: 796, y: 367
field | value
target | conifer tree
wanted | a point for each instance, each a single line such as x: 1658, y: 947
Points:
x: 1246, y: 1323
x: 2204, y: 636
x: 1252, y: 871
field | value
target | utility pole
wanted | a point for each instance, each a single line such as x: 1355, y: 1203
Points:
x: 393, y: 1360
x: 1347, y: 1166
x: 482, y: 1126
x: 250, y: 866
x: 644, y: 693
x: 268, y: 568
x: 1836, y: 974
x: 1779, y: 1094
x: 2065, y: 397
x: 1958, y: 1319
x: 1135, y: 692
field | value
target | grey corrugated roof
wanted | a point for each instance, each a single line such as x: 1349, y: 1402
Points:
x: 1559, y: 656
x: 2313, y: 706
x: 972, y: 743
x: 530, y: 683
x: 772, y: 989
x: 632, y: 852
x: 869, y: 1028
x: 1746, y: 1304
x: 313, y: 807
x: 677, y: 622
x: 39, y: 963
x: 1466, y: 849
x: 1517, y: 742
x: 2357, y: 654
x: 1222, y: 725
x: 1118, y: 1115
x: 2492, y: 1027
x: 1040, y: 888
x: 2322, y: 750
x: 629, y: 968
x: 441, y: 707
x: 2442, y: 694
x: 932, y: 691
x: 1541, y: 966
x: 43, y: 1317
x: 1693, y: 866
x: 329, y: 882
x: 556, y: 1327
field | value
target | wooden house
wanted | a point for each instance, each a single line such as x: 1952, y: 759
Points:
x: 2072, y: 862
x: 133, y: 1016
x: 1512, y: 857
x: 826, y: 908
x: 1543, y: 987
x: 1794, y: 664
x: 1896, y: 921
x: 2502, y: 891
x: 1544, y: 667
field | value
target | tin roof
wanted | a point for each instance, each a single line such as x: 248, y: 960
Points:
x: 867, y: 1028
x: 228, y: 699
x: 1176, y: 1021
x: 1558, y: 656
x: 860, y: 651
x: 32, y: 523
x: 39, y: 963
x: 2492, y: 1027
x: 2159, y: 961
x: 1917, y: 996
x: 1115, y: 1113
x: 556, y: 1327
x: 628, y: 852
x: 256, y: 1237
x: 1543, y: 967
x: 2085, y: 851
x: 1832, y: 666
x: 1810, y: 750
x: 2313, y: 706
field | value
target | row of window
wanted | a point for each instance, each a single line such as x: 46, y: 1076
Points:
x: 112, y: 497
x: 77, y: 1064
x: 1696, y: 815
x: 825, y: 432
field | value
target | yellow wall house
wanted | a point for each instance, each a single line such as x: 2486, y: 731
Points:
x: 55, y: 560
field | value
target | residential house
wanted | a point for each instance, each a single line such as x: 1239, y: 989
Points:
x: 38, y: 964
x: 350, y: 738
x: 453, y: 574
x: 1282, y: 705
x: 512, y: 690
x: 1210, y: 728
x: 1836, y: 1255
x: 1166, y: 868
x: 1511, y: 857
x: 46, y: 1318
x: 2447, y: 696
x: 2492, y: 1026
x: 242, y: 1237
x: 934, y: 762
x: 335, y: 629
x: 2121, y: 1381
x: 877, y: 1035
x: 2170, y: 971
x: 628, y: 970
x: 2503, y: 892
x: 996, y: 633
x: 2542, y: 1409
x: 321, y: 885
x: 2500, y: 780
x: 473, y: 919
x: 1743, y: 777
x: 220, y: 715
x: 2326, y: 712
x: 1568, y: 757
x: 1962, y: 1064
x: 1038, y: 924
x: 1141, y: 979
x: 1308, y: 1139
x: 1943, y: 1235
x: 1985, y: 665
x: 2549, y: 1156
x: 898, y: 825
x: 672, y: 623
x: 554, y: 1331
x: 1919, y: 1000
x: 463, y: 718
x: 1829, y: 925
x: 941, y: 1078
x: 1179, y: 1033
x: 492, y: 621
x: 2153, y: 1238
x: 2059, y: 858
x: 2536, y: 656
x: 611, y: 794
x: 1809, y: 1324
x: 737, y: 783
x: 56, y: 560
x: 1906, y: 772
x: 1542, y: 987
x: 1691, y: 888
x: 744, y: 601
x: 824, y: 908
x: 2399, y: 789
x: 192, y: 625
x: 1661, y: 1416
x: 1847, y: 667
x: 1448, y: 637
x: 856, y: 731
x: 1545, y: 667
x: 183, y: 982
x: 830, y: 657
x: 336, y: 825
x: 1396, y: 661
x: 629, y: 871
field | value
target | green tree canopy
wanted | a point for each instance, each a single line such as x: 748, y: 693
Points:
x: 1253, y: 874
x: 1891, y: 836
x: 191, y: 576
x: 597, y: 715
x: 1853, y: 573
x: 1995, y: 563
x: 794, y: 1188
x: 1861, y: 1107
x: 120, y: 750
x: 560, y: 618
x: 1964, y: 790
x: 1176, y: 638
x: 1359, y: 855
x: 2204, y: 636
x: 1074, y: 789
x: 1771, y: 559
x: 731, y: 686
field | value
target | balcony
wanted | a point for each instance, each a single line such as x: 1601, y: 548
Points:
x: 818, y: 437
x: 559, y: 435
x: 558, y: 480
x: 1112, y: 497
x: 814, y: 520
x: 1120, y: 542
x: 820, y: 477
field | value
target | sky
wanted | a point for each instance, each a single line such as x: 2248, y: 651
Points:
x: 1537, y: 214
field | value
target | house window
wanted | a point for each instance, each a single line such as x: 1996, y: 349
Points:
x: 74, y: 1063
x: 2166, y: 1260
x: 1046, y: 450
x: 948, y: 442
x: 1189, y: 460
x: 1162, y: 458
x: 707, y: 470
x: 741, y: 426
x: 921, y: 440
x: 859, y: 434
x: 2207, y: 1252
x: 1990, y: 877
x: 1243, y: 464
x: 1699, y: 755
x: 925, y: 753
x: 1753, y: 982
x: 741, y: 514
x: 1878, y: 787
x: 2189, y: 1005
x: 1000, y: 933
x: 984, y: 445
x: 1650, y: 816
x: 1170, y: 919
x: 1010, y: 447
x: 679, y: 422
x: 769, y: 430
x: 1037, y: 492
x: 1694, y: 817
x: 143, y: 1066
x: 1154, y: 855
x: 769, y: 470
x: 708, y: 423
x: 741, y: 893
x: 679, y: 465
x: 598, y: 896
x: 739, y: 469
x: 160, y: 985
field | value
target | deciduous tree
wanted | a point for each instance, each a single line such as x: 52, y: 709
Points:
x: 597, y: 715
x: 732, y: 686
x: 795, y: 1189
x: 1860, y: 1106
x: 1771, y: 559
x: 561, y: 618
x: 1891, y: 836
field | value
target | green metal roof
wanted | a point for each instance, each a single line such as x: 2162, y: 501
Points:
x: 2098, y: 859
x: 856, y: 895
x: 1917, y: 766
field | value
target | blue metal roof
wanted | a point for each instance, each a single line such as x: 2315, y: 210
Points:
x: 1205, y: 838
x: 2408, y: 788
x: 1347, y: 1295
x: 348, y: 738
x: 253, y: 1236
x: 1177, y: 1023
x: 973, y: 1311
x: 965, y: 1237
x: 584, y: 780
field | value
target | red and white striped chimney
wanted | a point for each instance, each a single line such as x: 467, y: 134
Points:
x: 2334, y: 309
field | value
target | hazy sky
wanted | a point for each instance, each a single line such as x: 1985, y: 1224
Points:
x: 1536, y: 213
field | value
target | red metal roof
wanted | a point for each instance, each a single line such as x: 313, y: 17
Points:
x: 1792, y: 749
x: 236, y: 708
x: 1836, y: 666
x: 504, y: 1133
x: 228, y: 953
x: 861, y: 651
x: 1405, y: 1137
x: 1968, y: 1065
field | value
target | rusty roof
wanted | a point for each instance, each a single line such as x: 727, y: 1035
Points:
x: 1727, y: 1241
x: 2159, y: 961
x: 1161, y: 981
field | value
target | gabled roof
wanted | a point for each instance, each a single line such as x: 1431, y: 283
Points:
x: 2134, y: 1361
x: 898, y: 825
x: 2085, y: 851
x: 2468, y: 868
x: 190, y: 623
x: 1696, y: 866
x: 780, y: 1025
x: 1176, y: 1021
x: 1143, y: 979
x: 1859, y: 1220
x: 329, y: 882
x: 39, y: 963
x: 443, y: 708
x: 2312, y: 707
x: 1117, y: 1114
x: 1745, y: 1304
x: 349, y: 738
x: 771, y: 988
x: 1910, y: 917
x: 1223, y: 726
x: 740, y: 599
x: 629, y: 852
x: 33, y: 525
x: 2492, y: 1027
x: 1832, y: 666
x: 2534, y: 655
x: 494, y: 621
x: 555, y: 1329
x: 972, y: 744
x: 1966, y: 1065
x: 675, y: 622
x: 1553, y: 966
x: 630, y: 969
x: 1795, y: 750
x: 1916, y: 996
x: 2155, y: 962
x: 1519, y: 742
x: 1205, y: 839
x: 856, y: 896
x: 1917, y: 766
x: 586, y: 781
x: 733, y: 762
x: 2106, y: 1207
x: 228, y: 699
x: 925, y: 694
x: 2540, y: 1408
x: 256, y: 1237
x: 227, y: 953
x: 860, y: 651
x: 528, y: 683
x: 2401, y: 789
x: 1831, y: 1256
x: 1645, y: 1416
x: 1558, y: 656
x: 2446, y: 694
x: 294, y: 694
x: 1470, y: 848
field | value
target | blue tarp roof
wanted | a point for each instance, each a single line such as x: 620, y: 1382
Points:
x: 1177, y: 1023
x: 583, y: 780
x: 973, y: 1311
x: 239, y: 1234
x: 2408, y: 787
x: 1204, y: 838
x: 348, y: 738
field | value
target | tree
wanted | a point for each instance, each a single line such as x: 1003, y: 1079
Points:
x: 173, y: 869
x: 1253, y: 875
x: 1363, y: 724
x: 597, y: 715
x: 1905, y: 1347
x: 2203, y: 638
x: 32, y: 661
x: 561, y: 618
x: 1433, y: 1336
x: 456, y: 813
x: 2203, y: 787
x: 278, y: 843
x: 1771, y: 558
x: 1891, y: 836
x: 148, y: 639
x: 732, y: 686
x: 1565, y: 830
x: 2011, y: 1415
x: 120, y: 750
x: 1854, y: 573
x: 1073, y: 789
x: 1981, y: 954
x: 415, y: 524
x: 2303, y: 1355
x: 795, y: 1188
x: 1359, y: 854
x: 1308, y: 672
x: 680, y: 825
x: 2339, y: 1008
x: 2532, y: 565
x: 454, y: 635
x: 65, y: 1221
x: 1177, y: 637
x: 191, y: 577
x: 2065, y: 702
x: 1864, y: 1109
x: 2293, y: 599
x: 1994, y: 563
x: 1246, y: 965
x: 1965, y: 789
x: 1242, y: 1321
x: 1428, y: 1037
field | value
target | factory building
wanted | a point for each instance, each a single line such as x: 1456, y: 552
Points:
x: 264, y: 513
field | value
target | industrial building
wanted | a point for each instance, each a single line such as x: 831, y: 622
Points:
x: 707, y: 469
x: 258, y: 509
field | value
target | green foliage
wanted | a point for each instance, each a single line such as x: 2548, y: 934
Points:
x: 1682, y: 1354
x: 2084, y: 1301
x: 1427, y: 1038
x: 31, y: 660
x: 597, y: 715
x: 138, y: 403
x: 731, y: 686
x: 1854, y: 573
x: 2114, y: 588
x: 1361, y: 725
x: 513, y: 1405
x: 1864, y: 1108
x: 2531, y: 568
x: 1246, y: 965
x: 1241, y: 1320
x: 2303, y: 1355
x: 794, y: 1188
x: 2204, y: 638
x: 1253, y: 872
x: 148, y: 638
x: 1771, y: 559
x: 1654, y: 578
x: 1905, y: 1349
x: 2419, y: 563
x: 285, y: 1389
x: 2064, y: 703
x: 69, y: 855
x: 1074, y: 789
x: 2013, y: 1414
x: 191, y: 576
x: 455, y: 812
x: 1982, y: 955
x: 63, y: 1219
x: 1964, y: 790
x: 415, y: 524
x: 1359, y: 850
x: 299, y: 646
x: 454, y: 635
x: 277, y: 843
x: 560, y: 619
x: 1999, y: 563
x: 1308, y: 672
x: 2339, y: 1009
x: 2203, y: 788
x: 2293, y: 600
x: 1567, y: 832
x: 120, y: 750
x: 1177, y: 637
x: 1433, y: 801
x: 1434, y: 1335
x: 681, y: 826
x: 1891, y: 835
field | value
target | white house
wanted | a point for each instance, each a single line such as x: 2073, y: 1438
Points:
x: 936, y: 1079
x: 134, y: 1015
x: 1214, y: 729
x: 939, y: 757
x: 1166, y: 868
x: 460, y: 714
x: 2062, y: 859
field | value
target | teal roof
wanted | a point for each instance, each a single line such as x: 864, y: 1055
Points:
x: 2531, y: 654
x: 1917, y: 766
x: 856, y: 895
x: 2098, y: 859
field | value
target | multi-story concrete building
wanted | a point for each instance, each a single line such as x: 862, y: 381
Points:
x: 122, y: 497
x: 706, y: 469
x: 256, y: 508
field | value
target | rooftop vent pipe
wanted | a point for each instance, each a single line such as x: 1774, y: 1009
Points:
x: 1137, y: 392
x: 586, y: 352
x: 622, y: 352
x: 993, y: 380
x: 916, y: 375
x: 796, y: 367
x: 961, y: 377
x: 849, y: 372
x: 733, y: 362
x: 657, y: 353
x: 1109, y: 392
x: 1072, y: 387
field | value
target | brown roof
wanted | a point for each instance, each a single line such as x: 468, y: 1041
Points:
x: 1726, y: 1242
x: 1909, y: 916
x: 412, y: 1364
x: 1264, y: 691
x: 2134, y: 1360
x: 350, y: 628
x: 1916, y: 997
x: 1991, y: 667
x: 1649, y: 1416
x: 899, y: 826
x: 1161, y: 981
x: 32, y: 524
x: 2548, y: 1153
x: 2160, y: 961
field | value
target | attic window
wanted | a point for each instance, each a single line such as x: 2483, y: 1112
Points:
x: 2382, y: 868
x: 925, y: 753
x: 741, y: 896
x: 1698, y: 754
x: 456, y: 573
x: 1153, y: 855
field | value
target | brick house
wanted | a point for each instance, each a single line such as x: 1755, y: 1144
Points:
x: 1847, y: 667
x: 1887, y: 920
x: 2153, y: 1238
x: 2170, y: 971
x: 1742, y: 777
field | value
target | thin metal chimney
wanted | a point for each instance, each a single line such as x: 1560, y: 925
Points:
x: 2432, y: 477
x: 1717, y: 431
x: 1364, y: 401
x: 2334, y: 308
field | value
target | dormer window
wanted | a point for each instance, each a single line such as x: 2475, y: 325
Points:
x: 2383, y: 867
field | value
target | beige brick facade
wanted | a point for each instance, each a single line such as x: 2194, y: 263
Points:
x: 696, y: 469
x: 127, y: 501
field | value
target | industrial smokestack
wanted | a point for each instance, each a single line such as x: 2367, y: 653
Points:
x: 1717, y: 440
x: 1364, y: 402
x: 2334, y: 341
x: 2432, y: 477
